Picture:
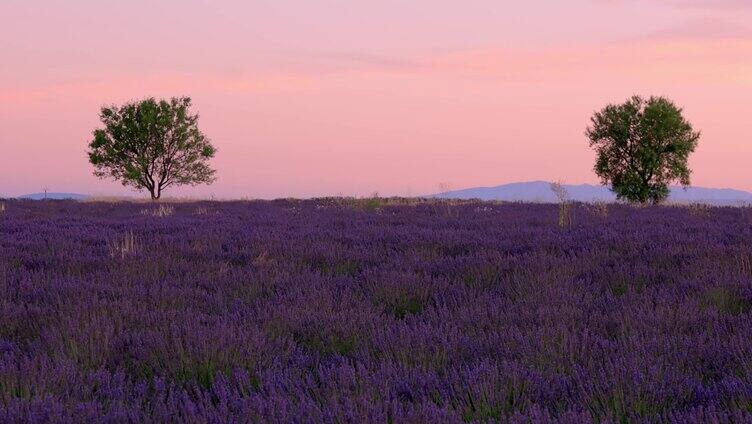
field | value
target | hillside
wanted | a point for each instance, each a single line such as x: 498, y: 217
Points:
x: 54, y: 196
x: 540, y: 191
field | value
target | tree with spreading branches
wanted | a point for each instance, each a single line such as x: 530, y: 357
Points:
x: 642, y: 146
x: 152, y: 144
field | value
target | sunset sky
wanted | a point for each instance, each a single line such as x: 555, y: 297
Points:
x: 323, y: 97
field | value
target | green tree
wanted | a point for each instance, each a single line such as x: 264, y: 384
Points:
x: 642, y: 146
x: 152, y: 145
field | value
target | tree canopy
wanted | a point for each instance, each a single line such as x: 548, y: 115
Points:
x: 642, y: 146
x: 152, y: 145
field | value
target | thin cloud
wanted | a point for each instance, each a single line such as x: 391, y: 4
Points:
x: 713, y: 4
x: 339, y: 61
x: 705, y: 29
x: 701, y: 4
x: 368, y: 59
x: 718, y: 62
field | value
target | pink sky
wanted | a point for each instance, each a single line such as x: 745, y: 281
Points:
x: 326, y: 97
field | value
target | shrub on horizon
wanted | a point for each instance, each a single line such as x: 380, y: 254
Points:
x: 564, y: 203
x: 598, y: 208
x: 699, y: 209
x: 160, y: 212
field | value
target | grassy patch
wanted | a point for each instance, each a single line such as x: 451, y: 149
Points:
x: 616, y: 406
x: 479, y: 409
x: 329, y: 344
x: 482, y: 277
x: 317, y: 338
x: 725, y: 301
x: 620, y: 285
x: 401, y: 301
x: 483, y: 408
x: 201, y: 372
x: 336, y: 267
x: 403, y: 304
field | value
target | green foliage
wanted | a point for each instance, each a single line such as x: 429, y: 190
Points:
x: 618, y: 406
x: 482, y: 277
x: 725, y: 301
x: 316, y: 336
x: 152, y: 145
x: 200, y: 372
x: 483, y: 408
x: 642, y: 146
x: 401, y: 303
x: 480, y: 410
x: 620, y: 285
x: 372, y: 204
x: 405, y: 305
x: 328, y: 343
x: 338, y: 267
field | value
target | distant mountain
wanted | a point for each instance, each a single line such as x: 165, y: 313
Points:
x: 54, y: 196
x: 540, y: 191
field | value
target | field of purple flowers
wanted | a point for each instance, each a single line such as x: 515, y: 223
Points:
x: 372, y: 311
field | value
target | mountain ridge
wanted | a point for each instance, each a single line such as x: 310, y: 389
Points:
x: 53, y: 196
x: 540, y: 191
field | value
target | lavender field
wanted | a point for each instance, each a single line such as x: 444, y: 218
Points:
x: 372, y: 311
